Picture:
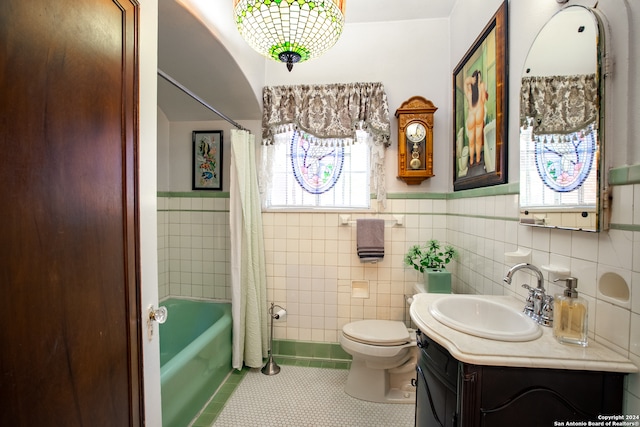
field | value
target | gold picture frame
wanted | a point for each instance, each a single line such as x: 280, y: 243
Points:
x: 480, y: 109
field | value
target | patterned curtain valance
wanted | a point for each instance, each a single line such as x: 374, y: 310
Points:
x: 327, y: 113
x: 559, y: 104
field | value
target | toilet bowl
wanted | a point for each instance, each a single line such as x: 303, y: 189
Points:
x: 490, y: 146
x: 463, y: 162
x: 384, y: 355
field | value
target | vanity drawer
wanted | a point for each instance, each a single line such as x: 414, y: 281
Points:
x: 437, y: 359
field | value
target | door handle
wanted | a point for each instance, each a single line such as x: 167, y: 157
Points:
x: 155, y: 315
x: 159, y: 315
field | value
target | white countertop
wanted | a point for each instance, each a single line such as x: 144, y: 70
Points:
x: 543, y: 352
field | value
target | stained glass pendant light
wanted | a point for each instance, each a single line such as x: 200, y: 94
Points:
x: 290, y: 31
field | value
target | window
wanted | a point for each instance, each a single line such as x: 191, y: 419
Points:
x: 324, y: 145
x: 309, y: 174
x: 558, y: 170
x: 559, y: 142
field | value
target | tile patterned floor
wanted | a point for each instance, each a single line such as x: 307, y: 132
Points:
x: 303, y: 397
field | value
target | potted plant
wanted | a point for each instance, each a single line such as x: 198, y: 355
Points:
x: 430, y: 259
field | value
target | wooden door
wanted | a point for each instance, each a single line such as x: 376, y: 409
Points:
x: 69, y: 325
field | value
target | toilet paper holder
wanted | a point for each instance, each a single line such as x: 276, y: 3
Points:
x: 271, y: 367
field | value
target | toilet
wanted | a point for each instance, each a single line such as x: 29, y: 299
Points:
x: 384, y: 355
x: 490, y: 146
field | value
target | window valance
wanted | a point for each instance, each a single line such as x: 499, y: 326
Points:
x: 326, y: 113
x: 559, y: 104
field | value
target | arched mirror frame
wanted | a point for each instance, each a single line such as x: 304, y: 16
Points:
x: 574, y: 216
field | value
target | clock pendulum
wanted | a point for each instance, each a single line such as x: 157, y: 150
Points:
x: 415, y: 162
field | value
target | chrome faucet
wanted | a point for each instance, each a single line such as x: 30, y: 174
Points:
x: 531, y: 267
x: 539, y: 305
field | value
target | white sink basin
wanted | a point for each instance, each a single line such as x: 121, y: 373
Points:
x: 484, y: 318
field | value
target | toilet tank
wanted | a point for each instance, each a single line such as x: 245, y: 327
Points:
x: 419, y: 288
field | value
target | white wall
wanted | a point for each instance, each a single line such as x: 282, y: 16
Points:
x: 222, y: 26
x: 148, y: 205
x: 409, y: 58
x: 164, y: 161
x: 179, y: 150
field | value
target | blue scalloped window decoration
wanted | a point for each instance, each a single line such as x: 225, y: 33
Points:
x: 564, y: 162
x: 316, y: 167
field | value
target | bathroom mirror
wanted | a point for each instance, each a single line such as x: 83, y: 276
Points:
x: 561, y: 124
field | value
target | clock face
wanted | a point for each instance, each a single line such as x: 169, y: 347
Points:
x: 416, y: 132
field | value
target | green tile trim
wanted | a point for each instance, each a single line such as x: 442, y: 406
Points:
x: 310, y: 350
x: 617, y: 176
x: 338, y: 353
x: 205, y: 420
x: 195, y: 194
x: 193, y: 210
x: 625, y: 227
x: 494, y: 190
x: 311, y: 363
x: 416, y: 196
x: 625, y: 175
x: 214, y: 407
x: 634, y: 174
x: 503, y: 218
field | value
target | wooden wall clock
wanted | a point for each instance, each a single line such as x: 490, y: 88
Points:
x: 415, y: 140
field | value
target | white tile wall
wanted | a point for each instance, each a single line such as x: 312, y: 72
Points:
x: 193, y: 247
x: 311, y: 262
x: 163, y: 248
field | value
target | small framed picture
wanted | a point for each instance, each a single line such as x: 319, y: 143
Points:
x: 207, y: 160
x: 480, y: 109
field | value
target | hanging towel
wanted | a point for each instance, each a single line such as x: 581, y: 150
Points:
x: 370, y: 238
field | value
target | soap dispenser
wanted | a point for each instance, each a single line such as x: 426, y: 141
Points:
x: 570, y: 315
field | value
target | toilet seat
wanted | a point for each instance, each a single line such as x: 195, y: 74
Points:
x: 377, y: 332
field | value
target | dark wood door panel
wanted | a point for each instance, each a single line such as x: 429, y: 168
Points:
x: 69, y: 341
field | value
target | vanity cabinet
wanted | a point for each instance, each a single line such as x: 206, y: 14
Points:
x: 436, y: 386
x: 453, y: 393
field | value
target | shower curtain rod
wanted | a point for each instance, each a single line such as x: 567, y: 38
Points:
x: 197, y: 98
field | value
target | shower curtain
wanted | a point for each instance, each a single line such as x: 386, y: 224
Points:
x: 248, y: 271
